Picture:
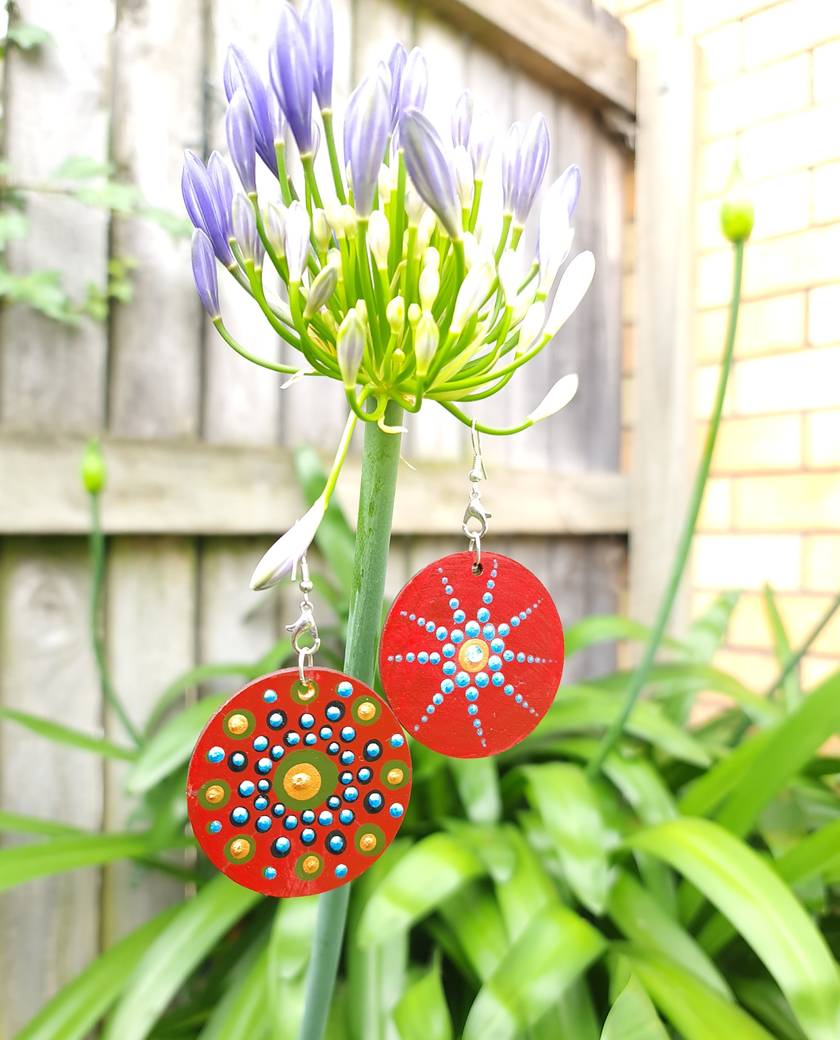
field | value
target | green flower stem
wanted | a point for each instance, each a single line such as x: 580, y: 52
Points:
x: 794, y: 659
x: 367, y: 287
x: 97, y: 635
x: 380, y: 459
x: 491, y: 431
x: 640, y: 675
x: 232, y: 343
x: 287, y: 192
x: 335, y: 165
x: 476, y: 204
x: 398, y: 224
x: 313, y: 194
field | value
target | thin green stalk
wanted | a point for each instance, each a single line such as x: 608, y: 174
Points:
x: 640, y: 675
x: 97, y: 562
x: 335, y: 165
x: 380, y: 460
x: 794, y: 659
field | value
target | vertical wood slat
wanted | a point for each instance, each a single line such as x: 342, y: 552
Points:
x: 52, y: 376
x: 664, y: 274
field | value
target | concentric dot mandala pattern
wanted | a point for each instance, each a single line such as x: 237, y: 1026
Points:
x: 471, y: 662
x: 295, y: 788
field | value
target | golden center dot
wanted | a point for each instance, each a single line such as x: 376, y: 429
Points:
x: 303, y: 781
x: 307, y: 692
x: 237, y: 723
x: 366, y: 710
x: 215, y: 793
x: 367, y: 842
x: 310, y: 864
x: 473, y: 655
x: 239, y: 848
x: 395, y: 776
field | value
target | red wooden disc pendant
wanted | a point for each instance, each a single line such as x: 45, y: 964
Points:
x: 471, y: 662
x: 296, y: 788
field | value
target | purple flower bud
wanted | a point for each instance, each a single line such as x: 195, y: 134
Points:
x: 239, y: 73
x: 510, y: 164
x: 396, y: 65
x: 318, y: 27
x: 430, y: 169
x: 481, y: 143
x: 366, y: 127
x: 531, y: 167
x: 276, y: 120
x: 222, y: 183
x: 292, y: 76
x: 414, y: 85
x: 239, y: 130
x: 204, y: 206
x: 462, y: 117
x: 204, y: 273
x: 245, y: 231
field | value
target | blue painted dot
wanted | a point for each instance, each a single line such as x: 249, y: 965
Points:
x: 471, y: 694
x: 263, y: 823
x: 421, y: 621
x: 292, y: 739
x: 307, y: 721
x: 270, y: 873
x: 237, y: 760
x: 498, y: 679
x: 348, y: 733
x: 423, y: 657
x: 240, y: 815
x: 454, y: 604
x: 483, y: 614
x: 290, y: 823
x: 450, y: 668
x: 346, y: 777
x: 310, y: 739
x: 518, y: 698
x: 364, y: 774
x: 333, y: 712
x: 215, y: 827
x: 336, y: 843
x: 277, y: 752
x: 374, y: 800
x: 373, y: 750
x: 508, y: 689
x: 341, y: 870
x: 497, y: 645
x: 325, y: 732
x: 441, y: 634
x: 346, y: 816
x: 430, y: 709
x: 462, y: 679
x: 482, y: 679
x: 282, y: 846
x: 520, y: 657
x: 260, y: 743
x: 260, y: 803
x: 307, y: 836
x: 459, y: 617
x: 278, y: 808
x: 263, y: 785
x: 215, y: 754
x: 334, y: 748
x: 515, y: 621
x: 472, y: 709
x: 434, y: 658
x: 397, y: 740
x: 472, y: 628
x: 504, y: 630
x: 488, y: 631
x: 350, y: 794
x: 307, y: 816
x: 344, y: 689
x: 477, y: 723
x: 448, y: 590
x: 524, y: 613
x: 276, y: 719
x: 430, y: 626
x: 411, y: 617
x: 333, y: 801
x: 396, y: 810
x: 491, y: 584
x: 508, y: 655
x: 437, y: 699
x: 325, y: 817
x: 269, y: 696
x: 410, y: 658
x: 347, y: 758
x: 264, y: 765
x: 494, y: 663
x: 456, y: 635
x: 246, y: 788
x: 487, y: 597
x: 447, y: 686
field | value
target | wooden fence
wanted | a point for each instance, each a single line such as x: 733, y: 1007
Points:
x: 197, y: 440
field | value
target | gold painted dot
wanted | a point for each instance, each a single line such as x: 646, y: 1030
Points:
x: 237, y: 723
x: 310, y: 864
x: 239, y: 848
x: 308, y: 692
x: 366, y: 710
x: 473, y: 655
x: 214, y: 794
x: 302, y: 782
x: 395, y: 776
x: 367, y: 842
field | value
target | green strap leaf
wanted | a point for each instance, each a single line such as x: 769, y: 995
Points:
x: 193, y: 677
x: 17, y: 823
x: 240, y: 1014
x: 429, y: 873
x: 477, y: 781
x: 422, y: 1012
x: 175, y: 953
x: 762, y: 908
x: 335, y: 537
x: 171, y: 746
x: 781, y: 644
x: 67, y: 735
x: 696, y: 1011
x: 606, y: 628
x: 555, y: 948
x: 480, y: 933
x: 23, y: 863
x: 567, y: 803
x: 633, y: 1016
x: 78, y: 1006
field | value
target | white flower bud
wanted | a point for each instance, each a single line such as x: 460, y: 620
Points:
x: 414, y: 313
x: 334, y: 260
x: 286, y: 551
x: 531, y: 327
x: 379, y: 238
x: 472, y: 249
x: 426, y: 336
x: 320, y: 291
x: 348, y: 219
x: 361, y: 310
x: 297, y: 240
x: 387, y: 183
x: 425, y: 230
x: 474, y: 289
x: 572, y: 288
x: 510, y: 276
x: 429, y: 287
x: 334, y: 212
x: 321, y: 230
x: 395, y: 313
x: 274, y: 222
x: 557, y: 398
x: 464, y: 179
x: 415, y: 207
x: 350, y: 347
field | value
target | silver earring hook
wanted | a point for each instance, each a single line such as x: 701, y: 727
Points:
x: 305, y: 623
x: 476, y: 516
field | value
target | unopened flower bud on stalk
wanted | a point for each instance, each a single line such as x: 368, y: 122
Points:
x: 396, y: 64
x: 245, y: 231
x: 462, y: 117
x: 239, y: 130
x: 737, y: 214
x: 286, y: 551
x: 366, y: 127
x: 206, y: 207
x: 317, y: 22
x: 350, y: 347
x: 204, y: 273
x: 431, y: 258
x: 414, y: 313
x: 481, y: 143
x: 572, y: 288
x: 556, y: 233
x: 414, y: 83
x: 379, y: 238
x: 274, y: 222
x: 93, y: 467
x: 472, y: 293
x: 321, y: 290
x: 425, y: 230
x: 222, y: 181
x: 292, y: 77
x: 297, y: 240
x: 395, y: 312
x: 426, y: 337
x: 321, y: 230
x: 464, y: 179
x: 240, y: 74
x: 429, y: 287
x: 556, y: 399
x: 430, y: 169
x: 510, y: 276
x: 531, y: 327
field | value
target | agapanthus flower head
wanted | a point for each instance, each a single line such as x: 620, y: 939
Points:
x: 400, y: 278
x: 293, y: 77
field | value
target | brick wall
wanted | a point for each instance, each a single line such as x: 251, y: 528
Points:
x: 770, y: 98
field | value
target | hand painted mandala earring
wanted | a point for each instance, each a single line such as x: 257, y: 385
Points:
x: 301, y: 780
x: 472, y: 650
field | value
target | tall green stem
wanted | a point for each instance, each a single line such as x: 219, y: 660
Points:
x: 97, y: 561
x: 666, y: 605
x: 380, y: 459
